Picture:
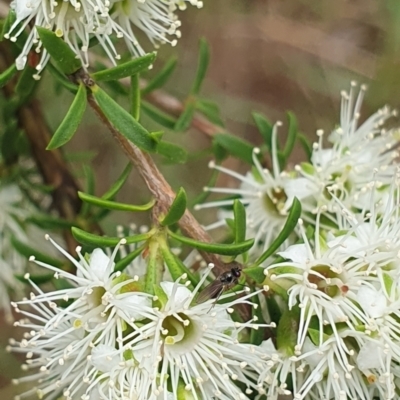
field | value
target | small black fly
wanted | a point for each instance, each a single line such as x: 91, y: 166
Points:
x: 227, y: 280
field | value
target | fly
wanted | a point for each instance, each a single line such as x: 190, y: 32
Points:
x: 227, y: 280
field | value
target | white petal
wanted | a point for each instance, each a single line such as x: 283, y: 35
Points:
x: 370, y: 356
x: 372, y: 302
x: 135, y: 306
x: 104, y: 358
x: 182, y: 292
x: 347, y: 245
x: 300, y: 188
x: 297, y: 253
x: 24, y: 8
x: 99, y: 263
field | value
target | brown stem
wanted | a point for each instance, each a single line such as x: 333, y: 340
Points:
x: 159, y: 187
x: 51, y: 164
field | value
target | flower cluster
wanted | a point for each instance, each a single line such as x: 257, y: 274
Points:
x: 338, y: 274
x: 361, y: 161
x: 78, y: 22
x: 104, y: 337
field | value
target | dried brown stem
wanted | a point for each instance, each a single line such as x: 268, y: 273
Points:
x: 159, y: 187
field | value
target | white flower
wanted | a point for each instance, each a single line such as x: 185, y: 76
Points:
x: 360, y: 155
x: 320, y: 282
x: 267, y: 195
x: 79, y: 21
x: 196, y: 344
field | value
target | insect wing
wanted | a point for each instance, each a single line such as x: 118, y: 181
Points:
x: 211, y: 291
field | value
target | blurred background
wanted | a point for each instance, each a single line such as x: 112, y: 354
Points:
x: 268, y: 56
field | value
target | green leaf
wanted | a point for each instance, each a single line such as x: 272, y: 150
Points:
x: 173, y: 152
x: 185, y: 119
x: 210, y: 110
x: 235, y: 146
x: 155, y: 267
x: 257, y: 335
x: 117, y: 185
x: 158, y: 116
x: 255, y: 273
x: 286, y: 333
x: 60, y: 51
x: 123, y: 121
x: 7, y: 23
x: 315, y: 336
x: 162, y: 77
x: 26, y: 84
x: 49, y: 222
x: 71, y: 121
x: 223, y: 249
x: 162, y: 298
x: 28, y: 251
x: 62, y: 79
x: 124, y: 262
x: 10, y: 149
x: 7, y: 74
x: 220, y: 153
x: 135, y: 97
x: 239, y: 213
x: 105, y: 241
x: 113, y: 205
x: 39, y: 279
x: 288, y: 228
x: 177, y: 209
x: 292, y: 135
x: 175, y: 266
x: 265, y: 128
x: 306, y: 145
x: 204, y: 59
x: 129, y: 68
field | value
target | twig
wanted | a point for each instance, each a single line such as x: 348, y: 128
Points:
x: 159, y: 187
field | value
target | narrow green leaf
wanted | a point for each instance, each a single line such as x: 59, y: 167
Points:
x: 123, y: 121
x: 306, y: 145
x: 71, y: 121
x: 7, y: 23
x: 185, y: 119
x: 255, y: 273
x: 292, y: 135
x: 211, y: 110
x: 286, y: 333
x: 26, y: 84
x: 257, y: 335
x: 162, y: 77
x: 158, y: 116
x: 105, y: 241
x: 265, y: 128
x: 39, y: 279
x: 172, y: 152
x: 220, y: 153
x: 162, y: 298
x: 223, y: 249
x: 175, y: 266
x: 204, y: 59
x: 155, y: 267
x: 124, y: 262
x: 59, y: 50
x: 48, y: 222
x: 7, y: 74
x: 129, y: 68
x: 9, y: 144
x: 288, y: 228
x: 117, y: 185
x: 135, y: 97
x: 113, y: 205
x: 62, y: 79
x: 235, y: 146
x: 177, y: 209
x: 28, y: 251
x: 239, y: 213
